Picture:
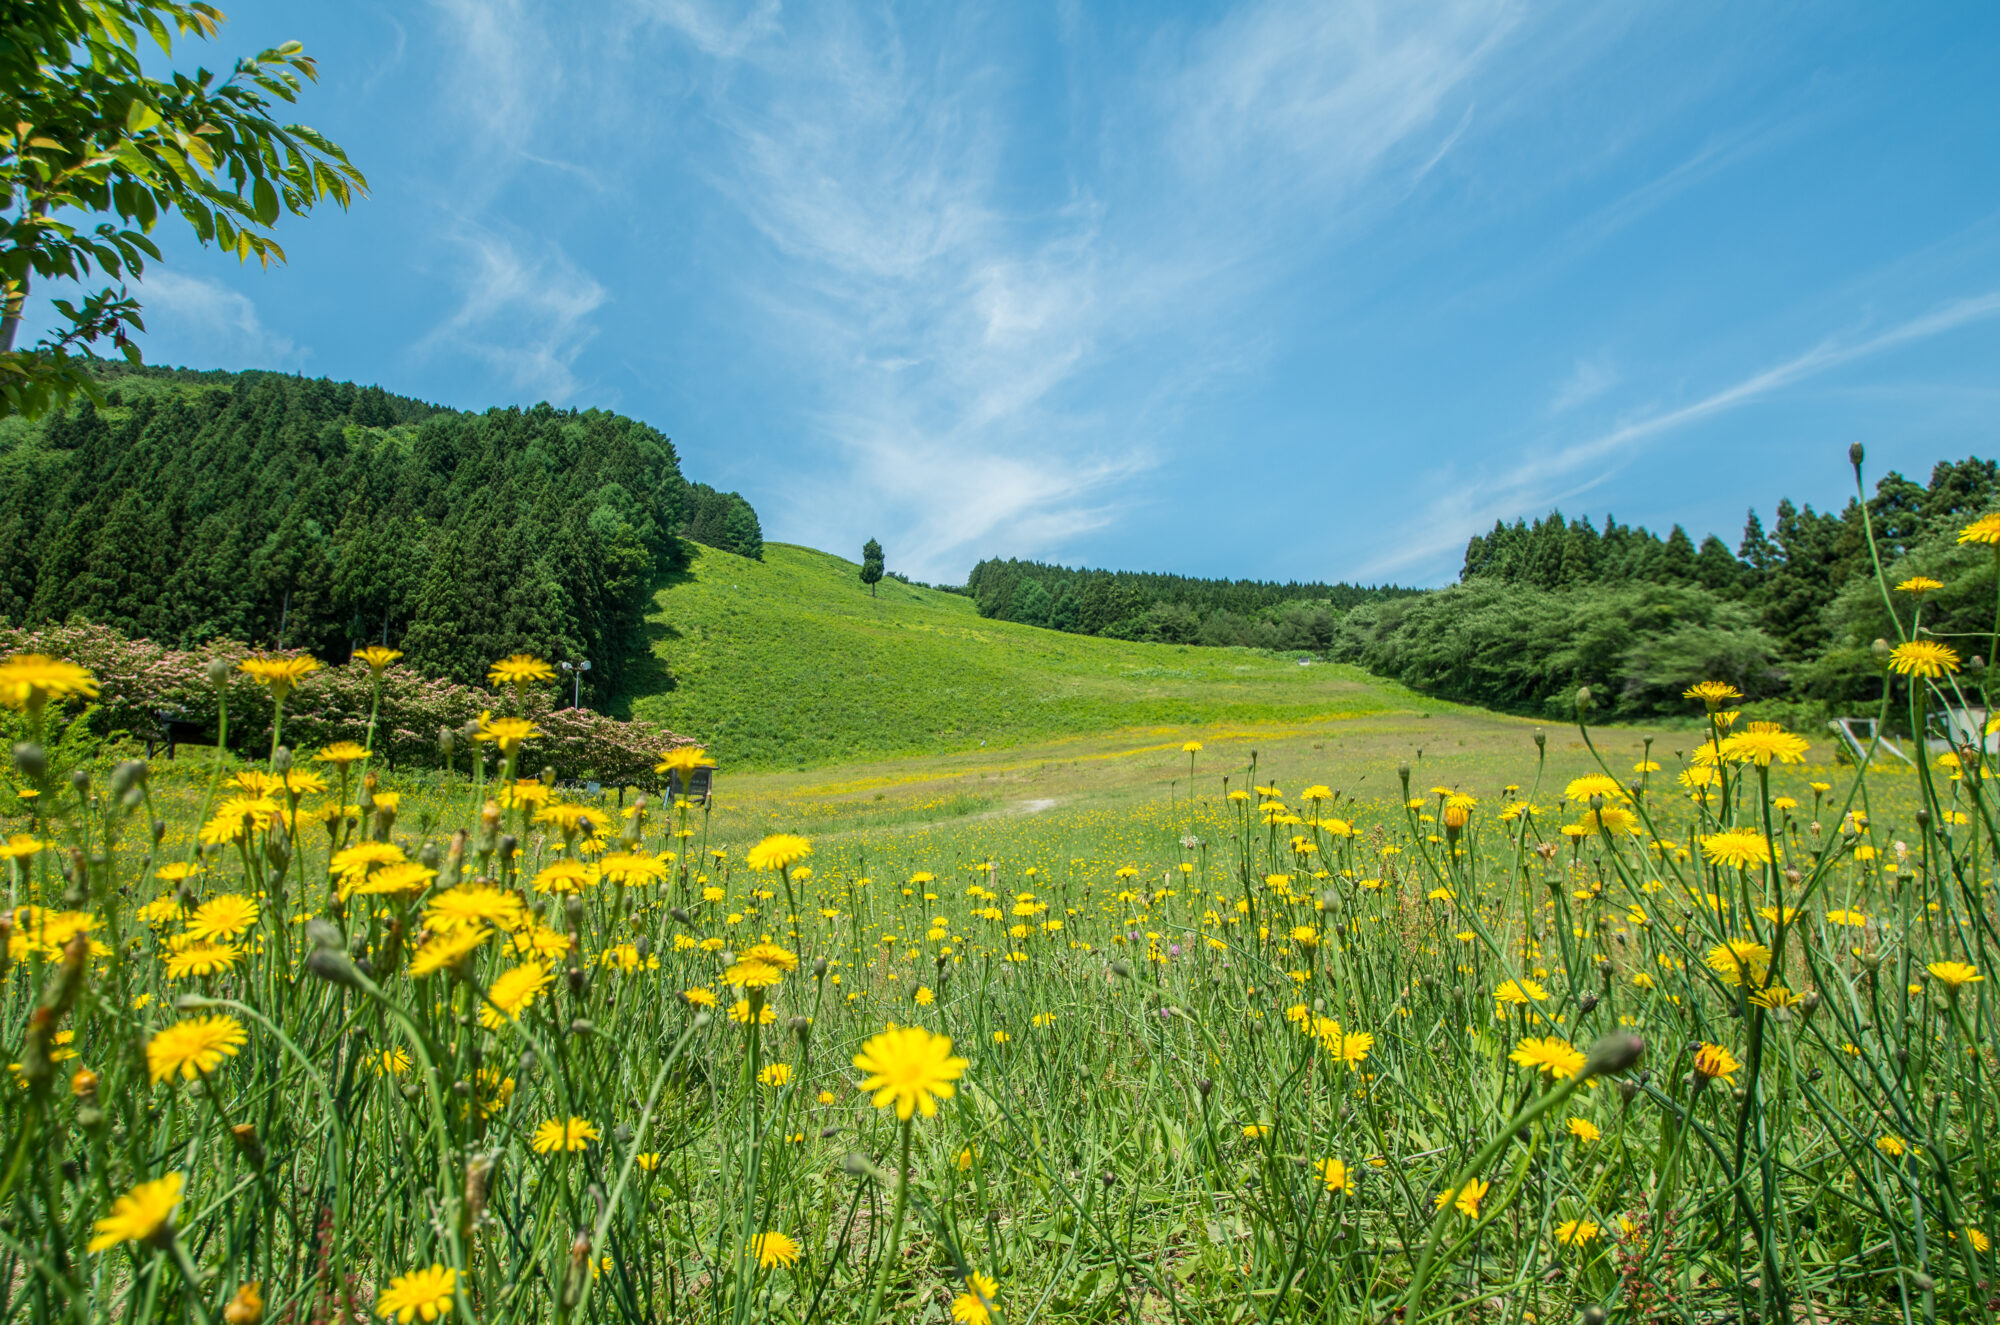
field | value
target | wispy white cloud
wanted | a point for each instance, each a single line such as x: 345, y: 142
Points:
x: 524, y: 309
x: 949, y: 318
x: 723, y: 31
x: 1588, y: 379
x: 202, y: 322
x: 1547, y: 474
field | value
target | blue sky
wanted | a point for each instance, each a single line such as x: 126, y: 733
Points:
x: 1284, y: 290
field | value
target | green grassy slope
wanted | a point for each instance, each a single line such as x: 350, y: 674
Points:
x: 789, y: 663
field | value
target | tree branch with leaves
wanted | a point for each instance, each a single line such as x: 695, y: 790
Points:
x: 93, y: 153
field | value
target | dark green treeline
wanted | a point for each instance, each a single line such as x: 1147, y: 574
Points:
x: 1167, y: 609
x: 324, y: 515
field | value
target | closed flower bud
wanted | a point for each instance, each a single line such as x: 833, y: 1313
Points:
x: 246, y: 1307
x: 281, y: 760
x: 1855, y: 452
x: 819, y: 968
x: 333, y: 966
x: 218, y: 672
x: 447, y: 741
x: 1613, y: 1053
x: 83, y: 1083
x: 245, y: 1137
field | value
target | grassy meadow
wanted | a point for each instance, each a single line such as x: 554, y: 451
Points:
x: 1222, y: 991
x: 790, y: 663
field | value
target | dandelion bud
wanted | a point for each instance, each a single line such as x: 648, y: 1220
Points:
x: 1880, y: 648
x: 1595, y: 1315
x: 129, y: 774
x: 802, y: 1027
x: 548, y: 775
x: 333, y: 966
x: 1110, y: 1179
x: 1541, y: 739
x: 1583, y: 697
x: 1586, y: 1005
x: 582, y: 1026
x: 1922, y: 1282
x: 218, y: 672
x: 1403, y: 772
x: 1613, y: 1053
x: 447, y: 741
x: 462, y: 1089
x: 277, y: 847
x: 321, y: 933
x: 1628, y: 1089
x: 1975, y: 664
x: 281, y: 760
x: 245, y: 1137
x: 1121, y: 969
x: 857, y: 1165
x: 526, y: 1063
x: 1873, y: 961
x: 509, y: 844
x: 681, y: 917
x: 819, y: 968
x: 828, y: 1133
x: 246, y: 1307
x: 1808, y: 1002
x: 1205, y: 1087
x: 1854, y: 454
x: 80, y: 781
x: 83, y: 1083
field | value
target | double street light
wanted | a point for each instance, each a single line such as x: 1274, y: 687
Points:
x: 577, y: 670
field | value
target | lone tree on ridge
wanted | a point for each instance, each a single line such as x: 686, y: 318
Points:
x: 871, y: 565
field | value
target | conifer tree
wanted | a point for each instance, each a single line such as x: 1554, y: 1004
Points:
x: 871, y: 565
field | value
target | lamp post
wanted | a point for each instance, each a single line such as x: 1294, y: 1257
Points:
x: 577, y: 670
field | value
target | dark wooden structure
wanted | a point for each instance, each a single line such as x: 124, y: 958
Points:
x: 172, y: 727
x: 700, y: 785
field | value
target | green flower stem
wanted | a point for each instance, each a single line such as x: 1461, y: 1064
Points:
x: 895, y: 1225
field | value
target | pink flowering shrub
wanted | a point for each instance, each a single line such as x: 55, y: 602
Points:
x: 141, y: 679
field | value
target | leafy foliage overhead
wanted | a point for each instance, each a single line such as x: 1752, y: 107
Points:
x: 90, y: 136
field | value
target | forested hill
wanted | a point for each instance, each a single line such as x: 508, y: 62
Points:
x: 316, y: 514
x: 1166, y: 609
x: 1789, y: 616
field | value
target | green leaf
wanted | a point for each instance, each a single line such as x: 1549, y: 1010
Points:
x: 140, y: 116
x: 266, y: 199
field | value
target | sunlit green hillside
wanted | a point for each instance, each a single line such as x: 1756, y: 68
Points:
x: 789, y: 662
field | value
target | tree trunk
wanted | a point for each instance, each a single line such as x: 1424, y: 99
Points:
x: 17, y: 293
